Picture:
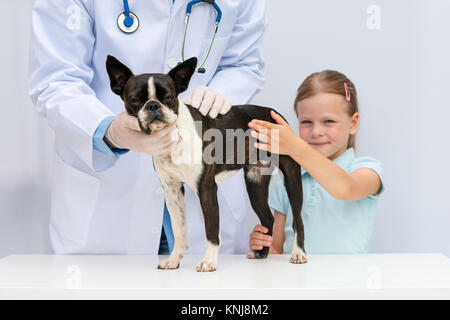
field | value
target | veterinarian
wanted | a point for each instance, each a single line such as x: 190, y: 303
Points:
x: 110, y: 201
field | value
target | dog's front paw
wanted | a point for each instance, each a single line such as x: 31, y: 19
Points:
x: 298, y: 257
x: 206, y: 266
x: 251, y: 255
x: 258, y: 254
x: 169, y: 264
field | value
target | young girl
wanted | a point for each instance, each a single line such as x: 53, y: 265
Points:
x: 340, y: 191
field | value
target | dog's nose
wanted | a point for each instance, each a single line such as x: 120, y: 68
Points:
x: 152, y: 106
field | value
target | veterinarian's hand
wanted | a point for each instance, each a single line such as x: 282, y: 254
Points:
x: 125, y: 133
x: 259, y: 238
x: 276, y: 137
x: 208, y: 100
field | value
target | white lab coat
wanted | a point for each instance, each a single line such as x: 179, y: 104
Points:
x: 102, y: 204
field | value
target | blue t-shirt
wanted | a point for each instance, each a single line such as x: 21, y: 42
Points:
x: 331, y: 226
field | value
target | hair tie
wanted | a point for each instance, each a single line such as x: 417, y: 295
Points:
x: 347, y: 92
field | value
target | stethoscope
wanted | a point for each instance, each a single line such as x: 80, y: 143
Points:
x: 128, y: 22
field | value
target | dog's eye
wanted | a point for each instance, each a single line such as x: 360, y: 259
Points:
x: 134, y: 102
x: 169, y: 97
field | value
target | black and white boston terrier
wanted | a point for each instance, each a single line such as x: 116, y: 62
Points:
x: 209, y: 151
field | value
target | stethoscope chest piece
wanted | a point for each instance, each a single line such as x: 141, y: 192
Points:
x: 128, y: 23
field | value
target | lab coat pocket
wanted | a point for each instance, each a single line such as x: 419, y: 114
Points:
x: 74, y: 197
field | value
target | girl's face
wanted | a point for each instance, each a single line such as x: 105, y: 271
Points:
x: 325, y: 124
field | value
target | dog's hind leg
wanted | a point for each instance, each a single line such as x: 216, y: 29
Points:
x: 177, y: 209
x: 257, y: 179
x: 293, y: 182
x: 210, y: 208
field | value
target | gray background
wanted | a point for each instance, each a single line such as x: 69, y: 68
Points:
x: 401, y: 71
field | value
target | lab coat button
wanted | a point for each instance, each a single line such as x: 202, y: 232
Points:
x: 172, y: 63
x: 155, y: 230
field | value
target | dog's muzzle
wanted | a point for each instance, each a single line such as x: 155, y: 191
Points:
x: 154, y: 116
x: 154, y: 111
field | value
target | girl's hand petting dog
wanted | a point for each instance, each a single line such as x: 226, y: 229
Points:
x: 276, y: 137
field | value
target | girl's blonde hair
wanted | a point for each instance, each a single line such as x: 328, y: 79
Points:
x: 329, y: 81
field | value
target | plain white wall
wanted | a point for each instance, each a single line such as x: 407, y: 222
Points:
x: 401, y: 72
x: 26, y: 143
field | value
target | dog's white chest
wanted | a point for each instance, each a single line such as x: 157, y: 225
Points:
x: 184, y: 163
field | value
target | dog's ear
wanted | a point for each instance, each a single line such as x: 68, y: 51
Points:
x: 182, y: 74
x: 118, y: 74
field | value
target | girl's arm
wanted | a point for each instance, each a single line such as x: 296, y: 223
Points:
x: 340, y: 184
x: 336, y: 181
